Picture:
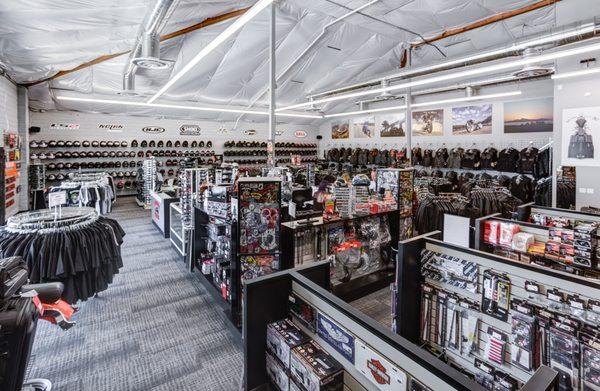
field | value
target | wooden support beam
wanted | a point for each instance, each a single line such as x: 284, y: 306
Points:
x: 205, y: 23
x: 487, y: 21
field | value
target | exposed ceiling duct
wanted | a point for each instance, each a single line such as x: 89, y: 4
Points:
x: 146, y: 51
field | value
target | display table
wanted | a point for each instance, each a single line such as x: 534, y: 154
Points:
x: 160, y: 211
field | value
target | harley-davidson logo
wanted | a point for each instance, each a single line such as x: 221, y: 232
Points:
x: 153, y: 129
x: 378, y: 371
x: 189, y: 130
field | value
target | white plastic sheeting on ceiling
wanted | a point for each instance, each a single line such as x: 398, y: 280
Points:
x: 41, y: 37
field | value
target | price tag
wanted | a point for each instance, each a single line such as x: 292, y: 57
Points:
x: 57, y: 198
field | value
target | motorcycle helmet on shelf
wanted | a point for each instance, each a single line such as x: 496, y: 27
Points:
x: 124, y: 164
x: 118, y: 164
x: 144, y: 144
x: 103, y: 144
x: 120, y: 185
x: 113, y: 154
x: 209, y: 144
x: 118, y: 153
x: 104, y: 153
x: 97, y: 154
x: 105, y: 164
x: 33, y: 144
x: 60, y: 166
x: 201, y: 144
x: 169, y: 144
x: 177, y: 144
x: 95, y: 144
x: 51, y: 177
x: 140, y: 154
x: 77, y: 144
x: 75, y: 165
x: 128, y: 184
x: 152, y: 144
x: 60, y: 177
x: 59, y: 143
x: 134, y: 144
x: 194, y: 144
x: 132, y: 163
x: 86, y: 144
x: 75, y: 155
x: 160, y: 144
x: 185, y: 144
x: 51, y: 166
x: 51, y: 143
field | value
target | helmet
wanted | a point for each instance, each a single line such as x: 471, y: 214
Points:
x: 77, y: 144
x: 124, y: 144
x: 169, y: 144
x: 177, y: 144
x: 103, y: 144
x: 160, y: 144
x: 134, y: 144
x: 185, y: 144
x: 144, y: 144
x: 152, y: 144
x: 86, y: 144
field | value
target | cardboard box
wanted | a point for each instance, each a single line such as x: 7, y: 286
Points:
x: 282, y: 337
x: 277, y: 374
x: 313, y: 369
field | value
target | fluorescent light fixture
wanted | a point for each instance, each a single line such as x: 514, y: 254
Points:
x: 583, y: 72
x: 467, y: 99
x: 553, y: 37
x: 456, y: 75
x: 365, y: 111
x: 432, y: 103
x: 182, y: 107
x: 226, y: 34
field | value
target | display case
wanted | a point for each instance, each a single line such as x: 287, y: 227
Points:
x: 400, y: 182
x: 160, y: 212
x: 178, y: 233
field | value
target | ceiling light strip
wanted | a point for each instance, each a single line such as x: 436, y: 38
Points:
x: 583, y: 72
x: 456, y: 75
x: 181, y: 107
x: 431, y: 103
x: 206, y: 50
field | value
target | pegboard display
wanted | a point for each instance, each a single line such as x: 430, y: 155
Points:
x: 494, y: 317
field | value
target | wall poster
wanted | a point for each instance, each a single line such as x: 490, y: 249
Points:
x: 529, y: 116
x: 340, y: 129
x: 392, y: 125
x: 580, y: 136
x: 363, y: 127
x: 428, y: 123
x: 472, y: 120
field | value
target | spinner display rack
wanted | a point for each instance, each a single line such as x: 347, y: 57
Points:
x: 372, y: 357
x: 483, y: 312
x: 401, y: 183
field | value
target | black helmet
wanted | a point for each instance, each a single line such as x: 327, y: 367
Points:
x: 201, y: 144
x: 152, y: 144
x: 209, y: 144
x: 103, y: 144
x: 119, y: 154
x: 124, y: 144
x: 95, y: 144
x: 113, y: 154
x: 104, y: 153
x: 60, y: 177
x: 59, y: 143
x: 185, y: 144
x: 160, y: 144
x: 105, y: 164
x: 119, y: 165
x: 169, y: 144
x: 194, y: 144
x: 140, y: 153
x: 60, y: 166
x: 134, y: 144
x: 86, y: 144
x: 51, y: 143
x: 75, y: 165
x: 132, y: 163
x: 77, y: 144
x: 177, y: 144
x: 75, y: 155
x: 125, y: 164
x: 97, y: 154
x: 144, y: 144
x: 51, y: 177
x: 51, y: 166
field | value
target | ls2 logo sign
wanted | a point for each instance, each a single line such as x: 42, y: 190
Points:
x: 189, y: 130
x: 153, y: 129
x: 300, y: 134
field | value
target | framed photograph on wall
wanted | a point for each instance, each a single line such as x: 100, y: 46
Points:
x: 472, y: 120
x: 363, y: 127
x: 581, y: 136
x: 392, y: 125
x: 340, y: 129
x: 529, y: 116
x: 428, y: 123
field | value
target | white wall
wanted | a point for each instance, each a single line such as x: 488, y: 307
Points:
x: 532, y: 90
x: 132, y: 129
x: 9, y: 123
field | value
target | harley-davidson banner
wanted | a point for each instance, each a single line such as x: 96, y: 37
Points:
x: 378, y: 369
x: 337, y: 337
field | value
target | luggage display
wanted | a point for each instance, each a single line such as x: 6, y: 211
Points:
x: 13, y: 274
x: 18, y: 321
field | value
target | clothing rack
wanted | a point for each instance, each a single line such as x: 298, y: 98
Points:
x: 36, y: 221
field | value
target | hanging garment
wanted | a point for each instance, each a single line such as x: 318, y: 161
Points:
x: 440, y: 158
x: 508, y: 160
x: 489, y: 158
x: 543, y: 165
x: 455, y: 157
x: 471, y: 159
x: 527, y: 159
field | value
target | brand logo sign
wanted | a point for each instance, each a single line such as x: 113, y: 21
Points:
x: 64, y: 126
x: 189, y: 130
x: 300, y: 134
x: 111, y: 127
x: 336, y: 336
x: 222, y: 130
x: 378, y: 369
x: 278, y: 132
x: 250, y: 132
x: 153, y: 129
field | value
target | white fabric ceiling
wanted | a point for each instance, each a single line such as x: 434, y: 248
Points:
x: 41, y: 37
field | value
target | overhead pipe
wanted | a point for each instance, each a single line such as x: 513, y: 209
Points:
x: 570, y: 34
x: 146, y: 51
x: 304, y: 52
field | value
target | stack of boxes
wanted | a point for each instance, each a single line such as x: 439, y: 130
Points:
x: 585, y: 244
x: 295, y: 363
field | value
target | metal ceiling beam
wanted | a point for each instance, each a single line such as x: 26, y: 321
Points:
x: 205, y: 23
x: 486, y: 21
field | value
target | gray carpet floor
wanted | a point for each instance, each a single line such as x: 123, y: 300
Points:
x: 377, y: 305
x: 155, y: 328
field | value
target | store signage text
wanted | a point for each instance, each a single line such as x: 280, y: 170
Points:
x: 64, y: 126
x: 111, y: 127
x: 300, y: 134
x: 153, y: 129
x: 250, y: 132
x: 189, y: 130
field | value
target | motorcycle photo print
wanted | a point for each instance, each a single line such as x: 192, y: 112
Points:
x: 363, y: 127
x: 428, y: 123
x: 392, y: 125
x: 472, y: 120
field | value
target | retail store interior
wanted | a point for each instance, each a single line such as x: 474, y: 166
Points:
x: 295, y: 195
